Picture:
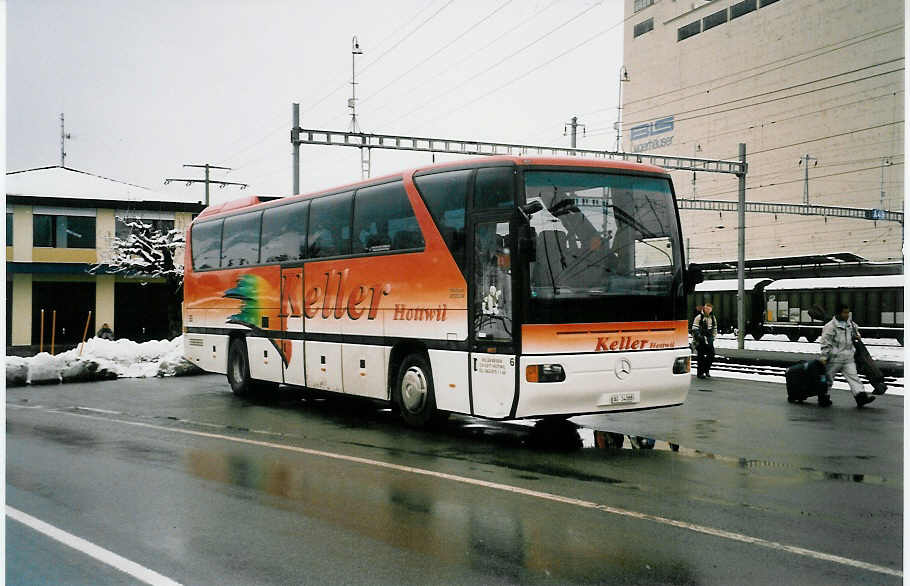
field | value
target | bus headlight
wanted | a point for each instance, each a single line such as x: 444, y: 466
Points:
x: 545, y: 373
x: 682, y: 365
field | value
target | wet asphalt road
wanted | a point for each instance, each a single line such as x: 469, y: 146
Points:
x: 183, y: 478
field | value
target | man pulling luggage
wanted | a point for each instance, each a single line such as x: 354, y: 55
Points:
x: 837, y: 353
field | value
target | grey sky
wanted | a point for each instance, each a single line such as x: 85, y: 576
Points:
x: 149, y: 86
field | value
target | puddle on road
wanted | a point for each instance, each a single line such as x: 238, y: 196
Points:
x: 608, y: 440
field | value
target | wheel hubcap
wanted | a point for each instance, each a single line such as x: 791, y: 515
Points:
x: 413, y: 389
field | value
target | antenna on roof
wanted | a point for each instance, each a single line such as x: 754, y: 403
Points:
x: 64, y: 136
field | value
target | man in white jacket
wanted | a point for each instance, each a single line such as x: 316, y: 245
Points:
x: 837, y: 355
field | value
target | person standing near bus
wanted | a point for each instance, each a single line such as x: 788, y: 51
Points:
x: 704, y: 330
x: 837, y: 355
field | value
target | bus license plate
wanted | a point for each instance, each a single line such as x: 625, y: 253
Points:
x: 624, y: 398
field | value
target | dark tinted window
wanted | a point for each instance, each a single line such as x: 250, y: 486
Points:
x: 493, y: 188
x: 446, y: 195
x: 330, y: 225
x: 384, y: 220
x: 284, y: 232
x: 63, y: 231
x: 766, y: 2
x: 715, y: 19
x: 44, y: 232
x: 206, y: 243
x: 9, y: 229
x: 688, y: 30
x: 643, y: 27
x: 79, y: 230
x: 741, y: 8
x: 240, y: 240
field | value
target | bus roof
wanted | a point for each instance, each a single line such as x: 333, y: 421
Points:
x: 496, y: 160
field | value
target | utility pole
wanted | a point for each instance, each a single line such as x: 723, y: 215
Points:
x: 352, y: 101
x: 885, y: 161
x: 63, y: 138
x: 295, y: 140
x: 741, y: 256
x: 352, y: 104
x: 574, y: 124
x: 623, y: 77
x: 207, y: 180
x: 805, y: 163
x: 696, y: 150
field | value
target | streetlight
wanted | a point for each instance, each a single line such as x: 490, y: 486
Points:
x: 623, y: 76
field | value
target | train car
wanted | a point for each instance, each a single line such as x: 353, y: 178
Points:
x: 721, y: 293
x: 877, y: 303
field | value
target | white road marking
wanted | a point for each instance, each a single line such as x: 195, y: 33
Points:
x: 99, y: 553
x: 730, y: 535
x: 100, y: 410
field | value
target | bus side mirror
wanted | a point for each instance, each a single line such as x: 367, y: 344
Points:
x: 527, y: 243
x: 694, y: 276
x: 529, y: 209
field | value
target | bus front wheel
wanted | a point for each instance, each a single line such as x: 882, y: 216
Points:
x: 413, y: 393
x: 238, y: 370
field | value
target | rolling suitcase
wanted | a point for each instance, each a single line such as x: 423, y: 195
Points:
x: 866, y: 366
x: 806, y: 379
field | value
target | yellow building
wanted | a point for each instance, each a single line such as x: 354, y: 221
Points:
x: 817, y: 83
x: 59, y: 223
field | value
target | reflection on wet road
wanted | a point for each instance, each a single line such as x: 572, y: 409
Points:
x: 205, y: 487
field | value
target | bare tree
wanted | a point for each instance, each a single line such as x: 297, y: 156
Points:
x: 149, y: 254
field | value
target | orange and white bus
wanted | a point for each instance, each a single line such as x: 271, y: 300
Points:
x: 505, y: 287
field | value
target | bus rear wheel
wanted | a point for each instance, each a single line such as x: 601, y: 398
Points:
x: 238, y: 370
x: 413, y: 393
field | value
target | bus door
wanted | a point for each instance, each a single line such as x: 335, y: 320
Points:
x: 291, y: 315
x: 491, y: 331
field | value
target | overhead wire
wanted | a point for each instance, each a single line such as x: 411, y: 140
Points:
x: 813, y: 109
x: 465, y: 32
x: 497, y: 38
x: 794, y: 86
x: 824, y: 51
x: 342, y: 85
x: 458, y: 86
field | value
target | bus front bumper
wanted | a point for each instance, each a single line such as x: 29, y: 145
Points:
x: 604, y: 382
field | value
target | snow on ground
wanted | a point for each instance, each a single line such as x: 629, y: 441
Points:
x: 100, y: 360
x: 770, y: 378
x: 879, y: 349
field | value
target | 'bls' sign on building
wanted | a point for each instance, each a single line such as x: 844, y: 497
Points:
x: 652, y: 135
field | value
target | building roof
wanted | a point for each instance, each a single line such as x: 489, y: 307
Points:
x: 728, y: 284
x: 783, y: 261
x: 870, y: 281
x: 71, y: 184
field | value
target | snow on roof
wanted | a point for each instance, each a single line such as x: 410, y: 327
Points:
x: 838, y: 282
x: 64, y: 182
x: 727, y: 285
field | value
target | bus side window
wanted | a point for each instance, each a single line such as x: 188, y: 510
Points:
x: 446, y: 195
x: 330, y: 225
x: 284, y: 231
x: 241, y: 240
x: 494, y: 188
x: 384, y: 220
x: 206, y: 244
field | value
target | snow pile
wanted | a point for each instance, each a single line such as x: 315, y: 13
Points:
x: 879, y: 349
x: 102, y: 360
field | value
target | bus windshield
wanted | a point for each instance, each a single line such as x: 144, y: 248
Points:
x: 607, y: 248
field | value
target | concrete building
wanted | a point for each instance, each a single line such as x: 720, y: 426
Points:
x: 60, y: 222
x: 790, y: 79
